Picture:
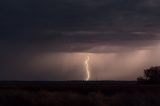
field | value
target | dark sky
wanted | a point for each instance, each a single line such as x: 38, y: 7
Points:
x: 48, y: 39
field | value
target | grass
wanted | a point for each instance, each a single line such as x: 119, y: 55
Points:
x: 17, y: 97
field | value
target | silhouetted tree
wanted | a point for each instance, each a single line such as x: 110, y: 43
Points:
x: 151, y: 75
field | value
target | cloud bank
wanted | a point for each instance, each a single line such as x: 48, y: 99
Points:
x: 34, y: 27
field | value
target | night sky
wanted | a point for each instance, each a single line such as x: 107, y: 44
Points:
x: 49, y: 39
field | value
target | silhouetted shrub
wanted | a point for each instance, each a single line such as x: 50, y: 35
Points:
x: 141, y: 80
x: 151, y: 75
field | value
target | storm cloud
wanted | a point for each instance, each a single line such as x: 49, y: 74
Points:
x: 80, y: 22
x: 34, y: 27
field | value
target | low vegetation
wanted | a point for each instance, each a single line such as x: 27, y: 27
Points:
x: 108, y: 95
x: 68, y: 98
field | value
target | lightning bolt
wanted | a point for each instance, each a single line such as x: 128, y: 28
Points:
x: 87, y: 67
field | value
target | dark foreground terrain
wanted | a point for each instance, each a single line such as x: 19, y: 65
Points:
x: 78, y: 93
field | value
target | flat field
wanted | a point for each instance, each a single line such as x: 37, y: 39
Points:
x: 78, y: 93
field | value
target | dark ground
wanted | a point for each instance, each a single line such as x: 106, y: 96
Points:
x: 78, y: 93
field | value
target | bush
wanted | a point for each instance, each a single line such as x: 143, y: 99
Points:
x: 151, y: 75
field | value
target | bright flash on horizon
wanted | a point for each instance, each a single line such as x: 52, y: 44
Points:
x: 87, y: 67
